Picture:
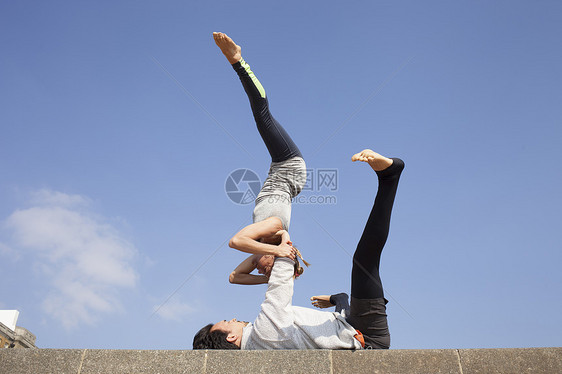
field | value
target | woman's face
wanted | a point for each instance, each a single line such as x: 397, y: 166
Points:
x: 265, y: 264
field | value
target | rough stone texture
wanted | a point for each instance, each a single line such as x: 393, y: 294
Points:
x: 26, y: 335
x: 434, y: 361
x: 141, y: 362
x: 511, y: 360
x: 39, y: 361
x: 317, y: 362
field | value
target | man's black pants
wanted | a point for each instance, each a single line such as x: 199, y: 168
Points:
x: 368, y: 305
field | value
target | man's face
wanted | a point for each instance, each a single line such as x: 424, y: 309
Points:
x: 265, y: 264
x: 232, y: 328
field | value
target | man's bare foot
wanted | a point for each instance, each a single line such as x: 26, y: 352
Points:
x: 321, y: 301
x: 377, y: 162
x: 231, y: 50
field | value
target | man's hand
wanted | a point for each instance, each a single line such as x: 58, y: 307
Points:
x: 285, y: 249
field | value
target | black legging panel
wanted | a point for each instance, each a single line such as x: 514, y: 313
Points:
x: 365, y: 279
x: 278, y: 142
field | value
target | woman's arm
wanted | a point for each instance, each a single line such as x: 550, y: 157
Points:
x: 246, y: 240
x: 241, y: 275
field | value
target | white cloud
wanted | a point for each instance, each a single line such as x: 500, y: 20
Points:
x: 54, y: 198
x: 8, y: 252
x: 86, y: 261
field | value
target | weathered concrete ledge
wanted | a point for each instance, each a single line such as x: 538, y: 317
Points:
x: 457, y: 361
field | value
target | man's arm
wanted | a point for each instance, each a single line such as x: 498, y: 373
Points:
x: 275, y: 321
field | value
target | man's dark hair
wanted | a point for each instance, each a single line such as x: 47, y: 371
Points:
x: 207, y: 339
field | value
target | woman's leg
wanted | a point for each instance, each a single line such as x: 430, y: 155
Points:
x: 287, y: 173
x: 279, y: 144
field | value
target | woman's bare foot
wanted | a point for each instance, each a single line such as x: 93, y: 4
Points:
x: 377, y: 162
x: 321, y: 301
x: 230, y: 50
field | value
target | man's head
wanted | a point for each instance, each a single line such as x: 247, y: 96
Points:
x: 221, y: 335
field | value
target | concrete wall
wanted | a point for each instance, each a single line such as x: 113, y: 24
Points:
x: 461, y: 361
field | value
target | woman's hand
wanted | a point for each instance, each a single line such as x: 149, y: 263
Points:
x: 285, y: 249
x: 279, y: 237
x: 284, y: 236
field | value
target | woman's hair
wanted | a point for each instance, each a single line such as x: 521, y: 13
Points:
x: 207, y: 339
x: 298, y: 268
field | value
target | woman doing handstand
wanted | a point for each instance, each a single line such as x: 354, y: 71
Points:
x: 268, y: 236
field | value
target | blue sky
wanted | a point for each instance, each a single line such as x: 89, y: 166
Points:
x: 121, y: 122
